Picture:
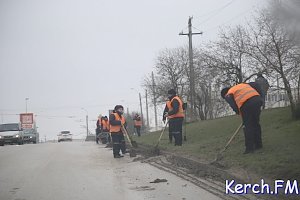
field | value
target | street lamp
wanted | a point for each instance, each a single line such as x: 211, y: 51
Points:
x: 87, y: 121
x: 26, y: 99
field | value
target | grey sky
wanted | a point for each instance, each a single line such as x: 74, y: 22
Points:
x: 65, y: 55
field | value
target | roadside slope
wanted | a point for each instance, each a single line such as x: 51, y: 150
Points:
x: 279, y: 158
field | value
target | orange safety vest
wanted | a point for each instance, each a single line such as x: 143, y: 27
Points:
x: 117, y: 128
x: 180, y: 112
x: 241, y: 93
x: 138, y: 123
x: 105, y: 125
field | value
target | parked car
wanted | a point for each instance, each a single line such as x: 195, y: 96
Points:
x: 11, y: 134
x: 64, y: 136
x: 30, y: 136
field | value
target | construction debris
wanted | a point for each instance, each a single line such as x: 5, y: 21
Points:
x: 159, y: 180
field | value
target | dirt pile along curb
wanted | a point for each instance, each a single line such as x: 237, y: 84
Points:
x: 207, y: 176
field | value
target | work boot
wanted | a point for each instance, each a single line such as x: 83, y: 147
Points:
x: 258, y: 146
x: 117, y: 156
x: 247, y: 151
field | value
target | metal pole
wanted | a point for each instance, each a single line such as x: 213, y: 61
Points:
x: 26, y: 99
x: 154, y: 100
x: 278, y: 99
x: 142, y: 117
x: 87, y: 121
x: 191, y: 68
x: 148, y: 123
x: 87, y: 125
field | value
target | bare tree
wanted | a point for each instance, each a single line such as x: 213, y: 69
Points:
x: 278, y: 52
x: 170, y: 72
x: 228, y: 56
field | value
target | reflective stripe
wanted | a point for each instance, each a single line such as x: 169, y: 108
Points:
x: 243, y: 95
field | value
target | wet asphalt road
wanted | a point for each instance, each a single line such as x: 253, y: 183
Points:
x: 84, y: 170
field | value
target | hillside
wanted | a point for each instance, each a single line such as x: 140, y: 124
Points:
x: 279, y: 157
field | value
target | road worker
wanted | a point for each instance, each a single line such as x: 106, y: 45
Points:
x: 105, y: 128
x: 245, y: 100
x: 175, y: 113
x: 264, y: 85
x: 98, y: 129
x: 116, y: 121
x: 137, y: 124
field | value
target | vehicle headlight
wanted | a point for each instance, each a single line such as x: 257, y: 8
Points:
x: 17, y: 136
x: 30, y: 137
x: 0, y: 136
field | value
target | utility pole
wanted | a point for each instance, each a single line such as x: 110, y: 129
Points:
x: 191, y: 67
x: 278, y: 99
x: 87, y: 125
x: 26, y: 99
x: 87, y: 121
x: 148, y: 124
x: 154, y: 99
x: 142, y: 117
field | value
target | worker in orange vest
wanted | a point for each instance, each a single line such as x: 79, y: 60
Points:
x: 105, y: 127
x: 245, y: 99
x: 137, y: 124
x: 175, y: 113
x: 116, y: 121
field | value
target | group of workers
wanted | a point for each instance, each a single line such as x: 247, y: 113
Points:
x: 246, y: 100
x: 112, y: 130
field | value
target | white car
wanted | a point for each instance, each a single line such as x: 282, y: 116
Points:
x: 11, y: 133
x: 64, y: 136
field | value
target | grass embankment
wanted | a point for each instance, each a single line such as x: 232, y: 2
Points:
x: 279, y: 158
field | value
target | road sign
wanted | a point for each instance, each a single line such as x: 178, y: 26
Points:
x: 27, y: 126
x: 26, y: 118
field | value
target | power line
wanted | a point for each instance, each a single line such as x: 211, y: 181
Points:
x: 216, y: 12
x: 213, y: 11
x: 230, y: 20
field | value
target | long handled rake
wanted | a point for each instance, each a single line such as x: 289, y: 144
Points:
x: 132, y: 152
x: 219, y: 155
x: 156, y: 150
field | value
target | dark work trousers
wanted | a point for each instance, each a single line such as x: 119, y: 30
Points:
x: 175, y: 130
x: 263, y: 96
x: 170, y: 134
x: 108, y: 136
x: 98, y: 131
x: 138, y: 130
x: 118, y: 143
x: 250, y: 114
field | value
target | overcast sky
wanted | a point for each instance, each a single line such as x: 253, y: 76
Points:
x: 65, y: 55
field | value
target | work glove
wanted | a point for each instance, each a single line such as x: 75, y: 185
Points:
x: 166, y: 114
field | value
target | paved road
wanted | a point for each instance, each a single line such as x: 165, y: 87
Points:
x: 84, y: 170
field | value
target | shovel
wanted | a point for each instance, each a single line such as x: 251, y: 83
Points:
x: 132, y: 152
x: 219, y: 155
x: 156, y: 150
